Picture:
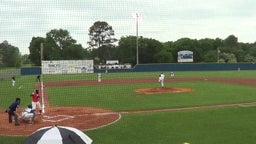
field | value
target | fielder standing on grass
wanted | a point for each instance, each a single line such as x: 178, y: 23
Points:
x: 161, y: 79
x: 99, y: 77
x: 38, y: 78
x: 13, y: 81
x: 172, y: 75
x: 35, y: 101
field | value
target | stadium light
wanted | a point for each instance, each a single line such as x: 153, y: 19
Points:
x: 137, y: 38
x: 136, y: 16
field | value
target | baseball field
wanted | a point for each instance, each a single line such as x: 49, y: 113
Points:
x: 195, y: 107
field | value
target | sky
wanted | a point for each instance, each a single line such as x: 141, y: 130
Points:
x: 163, y: 20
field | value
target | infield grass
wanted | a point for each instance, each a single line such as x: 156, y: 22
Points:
x: 123, y: 97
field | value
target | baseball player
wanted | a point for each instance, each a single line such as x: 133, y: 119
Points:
x: 35, y: 100
x: 13, y: 81
x: 161, y: 79
x: 12, y: 111
x: 99, y: 77
x: 172, y: 75
x: 29, y: 114
x: 38, y: 78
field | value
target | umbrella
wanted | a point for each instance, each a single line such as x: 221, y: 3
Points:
x: 58, y: 135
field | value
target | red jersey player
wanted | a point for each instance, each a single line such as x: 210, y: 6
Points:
x: 35, y: 101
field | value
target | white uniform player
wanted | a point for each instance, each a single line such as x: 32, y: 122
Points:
x: 172, y: 75
x: 99, y: 77
x: 161, y: 79
x: 28, y: 114
x: 13, y: 81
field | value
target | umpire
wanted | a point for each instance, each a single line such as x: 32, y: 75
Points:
x: 12, y: 111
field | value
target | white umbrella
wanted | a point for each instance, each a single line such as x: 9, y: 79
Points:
x: 58, y: 135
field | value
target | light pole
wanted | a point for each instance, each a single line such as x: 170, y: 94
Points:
x: 137, y: 38
x: 136, y: 17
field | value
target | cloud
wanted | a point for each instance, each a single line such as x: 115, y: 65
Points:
x: 164, y: 20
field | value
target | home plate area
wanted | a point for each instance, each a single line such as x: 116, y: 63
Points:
x: 82, y: 118
x: 56, y: 118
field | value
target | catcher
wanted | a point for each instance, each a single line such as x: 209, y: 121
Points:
x: 28, y: 114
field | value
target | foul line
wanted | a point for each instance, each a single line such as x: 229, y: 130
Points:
x: 245, y: 104
x: 42, y: 95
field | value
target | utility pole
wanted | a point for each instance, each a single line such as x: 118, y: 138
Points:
x: 137, y: 38
x: 42, y: 51
x: 218, y: 55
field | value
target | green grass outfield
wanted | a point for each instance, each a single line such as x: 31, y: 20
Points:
x: 211, y: 126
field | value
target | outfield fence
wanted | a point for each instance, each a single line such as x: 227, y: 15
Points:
x: 8, y: 73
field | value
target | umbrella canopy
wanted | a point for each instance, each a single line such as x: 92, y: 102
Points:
x: 58, y: 135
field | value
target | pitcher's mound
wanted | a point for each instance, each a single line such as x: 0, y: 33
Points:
x: 163, y: 90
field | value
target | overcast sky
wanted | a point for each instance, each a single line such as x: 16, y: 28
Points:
x: 163, y: 20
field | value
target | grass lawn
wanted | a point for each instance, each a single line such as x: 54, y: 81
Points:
x: 122, y: 97
x: 25, y: 85
x: 212, y: 126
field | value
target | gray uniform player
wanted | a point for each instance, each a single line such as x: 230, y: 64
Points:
x: 161, y: 79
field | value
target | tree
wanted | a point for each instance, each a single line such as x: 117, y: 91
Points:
x: 58, y: 40
x: 230, y: 43
x: 252, y: 50
x: 58, y: 45
x: 210, y: 56
x: 209, y: 49
x: 101, y: 34
x: 168, y: 47
x: 35, y: 50
x: 250, y: 59
x: 127, y: 50
x: 9, y: 55
x: 60, y: 37
x: 104, y: 53
x: 164, y: 57
x: 25, y: 59
x: 149, y: 50
x: 73, y: 52
x: 228, y: 58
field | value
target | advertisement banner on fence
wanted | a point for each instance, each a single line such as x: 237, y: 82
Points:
x: 67, y: 66
x: 185, y: 56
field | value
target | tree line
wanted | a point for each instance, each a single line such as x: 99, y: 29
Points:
x: 59, y: 45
